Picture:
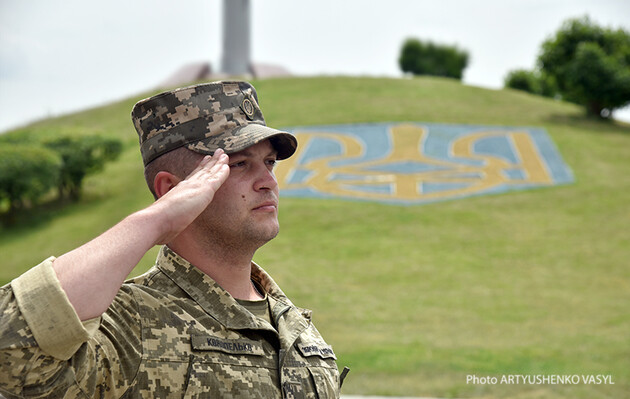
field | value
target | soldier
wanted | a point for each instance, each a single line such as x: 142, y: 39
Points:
x: 205, y: 321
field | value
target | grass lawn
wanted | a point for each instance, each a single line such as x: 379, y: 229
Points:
x: 416, y: 298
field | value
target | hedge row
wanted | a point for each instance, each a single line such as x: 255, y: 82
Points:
x: 30, y: 169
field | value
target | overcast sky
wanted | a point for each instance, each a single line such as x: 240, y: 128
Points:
x: 61, y: 56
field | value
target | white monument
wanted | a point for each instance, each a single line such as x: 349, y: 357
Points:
x: 236, y: 37
x: 235, y: 60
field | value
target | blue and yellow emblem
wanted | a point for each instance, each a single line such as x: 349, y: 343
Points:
x: 414, y: 163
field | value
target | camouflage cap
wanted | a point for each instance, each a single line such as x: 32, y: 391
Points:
x: 204, y: 118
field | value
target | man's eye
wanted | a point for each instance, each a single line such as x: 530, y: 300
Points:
x: 237, y: 164
x: 272, y: 162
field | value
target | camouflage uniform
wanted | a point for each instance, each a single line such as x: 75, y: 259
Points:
x: 170, y: 333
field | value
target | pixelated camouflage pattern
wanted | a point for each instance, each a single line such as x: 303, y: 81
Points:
x: 173, y: 333
x: 203, y: 118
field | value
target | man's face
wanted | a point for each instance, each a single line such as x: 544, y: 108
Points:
x: 244, y: 211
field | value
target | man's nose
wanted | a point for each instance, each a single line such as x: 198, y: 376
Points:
x: 265, y: 180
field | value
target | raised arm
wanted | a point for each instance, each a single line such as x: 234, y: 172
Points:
x: 92, y: 274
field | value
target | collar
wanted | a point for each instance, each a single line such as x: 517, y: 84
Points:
x: 216, y: 301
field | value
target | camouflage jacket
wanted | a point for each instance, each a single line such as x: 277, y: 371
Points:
x: 170, y: 333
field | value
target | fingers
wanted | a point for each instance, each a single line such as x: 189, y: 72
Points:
x: 215, y: 166
x: 209, y: 161
x: 210, y: 173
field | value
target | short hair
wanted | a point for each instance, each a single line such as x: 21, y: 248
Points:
x: 180, y: 162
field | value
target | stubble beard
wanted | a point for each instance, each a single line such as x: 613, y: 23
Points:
x: 235, y: 239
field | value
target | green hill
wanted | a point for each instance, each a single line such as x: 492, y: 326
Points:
x: 415, y: 299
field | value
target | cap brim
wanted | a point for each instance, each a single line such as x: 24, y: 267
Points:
x: 241, y: 138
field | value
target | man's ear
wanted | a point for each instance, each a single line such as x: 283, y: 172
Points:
x: 164, y: 182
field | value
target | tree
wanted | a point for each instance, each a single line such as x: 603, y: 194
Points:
x: 26, y: 174
x: 427, y: 58
x: 590, y: 65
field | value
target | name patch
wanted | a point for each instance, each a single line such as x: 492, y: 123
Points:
x: 232, y: 346
x: 323, y: 351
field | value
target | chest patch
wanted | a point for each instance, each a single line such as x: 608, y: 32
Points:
x: 311, y: 349
x: 231, y: 346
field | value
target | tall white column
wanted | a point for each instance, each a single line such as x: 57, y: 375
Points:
x: 236, y: 37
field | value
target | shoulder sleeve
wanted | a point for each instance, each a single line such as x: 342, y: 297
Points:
x: 45, y: 306
x: 45, y: 350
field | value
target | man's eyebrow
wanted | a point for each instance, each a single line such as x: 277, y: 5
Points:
x: 247, y: 153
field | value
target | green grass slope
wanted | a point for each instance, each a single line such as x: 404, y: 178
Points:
x: 416, y: 298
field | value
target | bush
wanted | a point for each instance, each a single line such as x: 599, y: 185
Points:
x: 81, y: 156
x: 533, y: 82
x: 524, y: 80
x: 76, y: 156
x: 420, y: 58
x: 26, y: 174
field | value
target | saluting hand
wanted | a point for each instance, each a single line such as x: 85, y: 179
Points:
x: 185, y: 199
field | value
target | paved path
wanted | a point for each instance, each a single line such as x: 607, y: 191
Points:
x: 353, y: 397
x: 378, y: 397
